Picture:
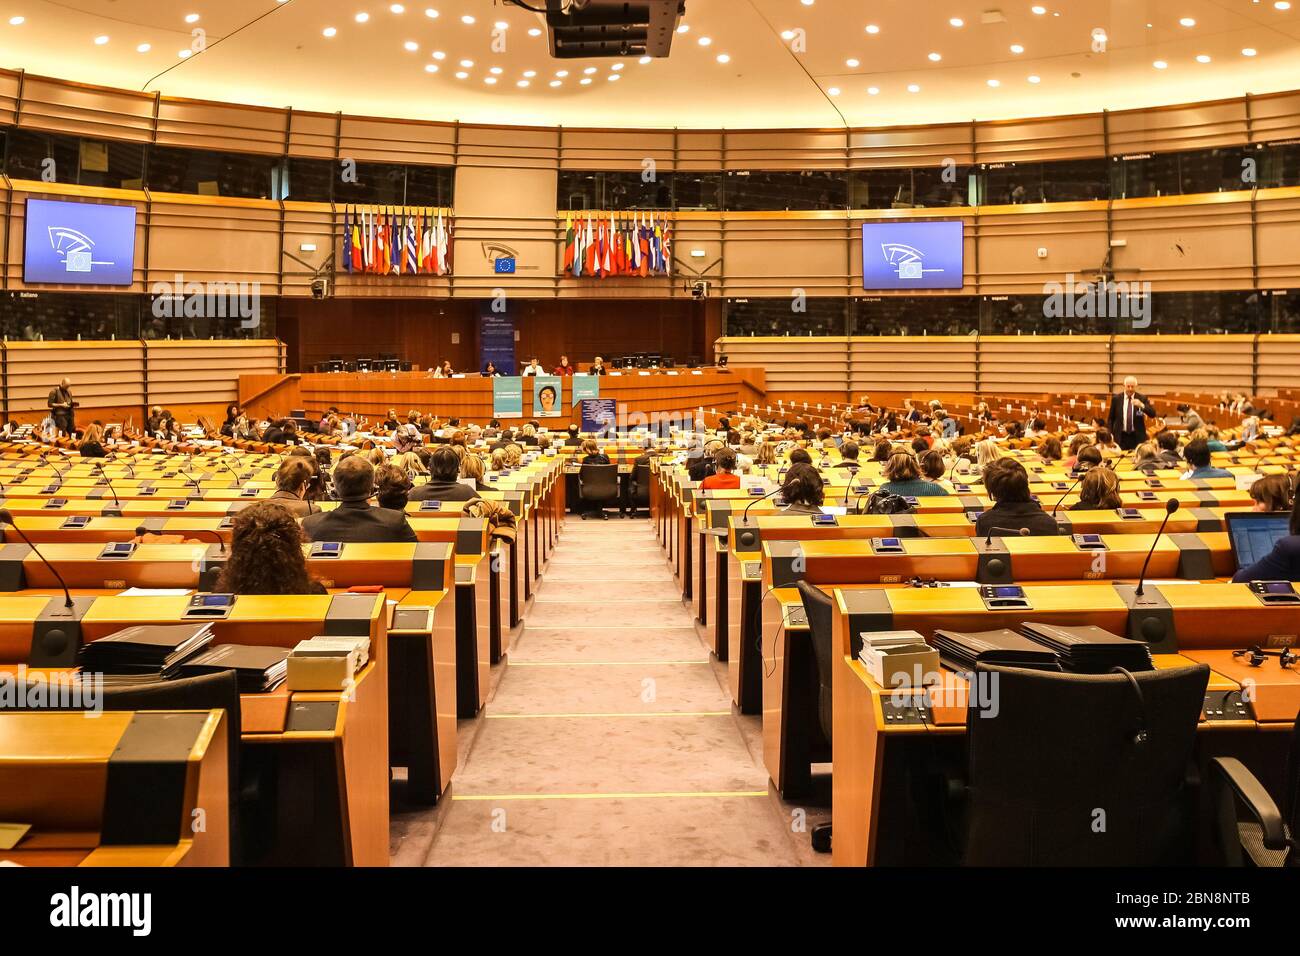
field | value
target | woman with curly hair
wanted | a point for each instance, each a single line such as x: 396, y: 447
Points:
x: 392, y: 484
x: 266, y: 555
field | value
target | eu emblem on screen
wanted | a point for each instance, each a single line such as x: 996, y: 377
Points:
x: 912, y: 255
x: 78, y: 243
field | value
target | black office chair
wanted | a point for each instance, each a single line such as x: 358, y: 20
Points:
x: 219, y: 691
x: 597, y: 488
x: 1081, y: 769
x: 817, y: 607
x: 639, y: 491
x: 1268, y: 837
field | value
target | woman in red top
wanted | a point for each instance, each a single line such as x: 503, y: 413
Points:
x: 724, y: 469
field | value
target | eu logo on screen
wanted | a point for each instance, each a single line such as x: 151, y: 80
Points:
x: 504, y: 266
x: 78, y: 243
x: 912, y: 255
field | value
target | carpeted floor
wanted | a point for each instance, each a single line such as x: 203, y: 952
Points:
x: 609, y: 738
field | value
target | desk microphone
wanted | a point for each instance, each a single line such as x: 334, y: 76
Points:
x: 141, y: 531
x: 103, y: 474
x: 747, y: 538
x: 189, y: 463
x: 1067, y: 493
x: 988, y: 539
x: 130, y: 464
x: 46, y: 460
x: 853, y: 473
x: 7, y: 518
x: 226, y: 465
x: 1170, y: 507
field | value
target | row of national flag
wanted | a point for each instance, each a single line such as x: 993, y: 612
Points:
x: 397, y: 241
x: 616, y: 244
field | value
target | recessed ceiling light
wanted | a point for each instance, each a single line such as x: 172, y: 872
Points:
x: 585, y: 81
x: 1017, y: 48
x: 467, y: 19
x: 1282, y: 5
x: 431, y: 13
x: 1160, y: 65
x: 501, y: 25
x: 684, y: 28
x: 872, y: 28
x: 529, y: 74
x: 411, y: 45
x: 555, y: 82
x: 913, y: 88
x: 957, y: 22
x: 705, y: 41
x: 852, y: 63
x: 431, y: 68
x: 561, y: 73
x: 143, y: 48
x: 644, y: 60
x: 1035, y: 79
x: 1187, y: 22
x: 1038, y: 10
x: 101, y: 40
x: 439, y: 55
x: 362, y: 17
x: 1202, y: 59
x: 467, y: 63
x: 873, y: 90
x: 495, y: 71
x: 185, y: 54
x: 490, y: 80
x: 522, y: 84
x: 461, y: 75
x: 191, y: 18
x: 329, y: 31
x: 787, y: 34
x: 534, y: 32
x: 724, y: 57
x: 1249, y: 51
x: 807, y: 3
x: 17, y: 21
x: 589, y: 70
x: 397, y: 8
x: 612, y: 76
x: 834, y: 91
x: 995, y: 83
x: 616, y: 67
x: 935, y: 57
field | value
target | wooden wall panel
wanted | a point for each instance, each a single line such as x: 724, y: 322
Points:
x: 1278, y: 363
x: 195, y: 124
x: 79, y: 110
x: 1182, y: 363
x: 313, y: 135
x: 102, y: 373
x: 506, y: 147
x: 1275, y: 117
x: 202, y: 371
x: 700, y: 150
x: 1277, y: 217
x: 775, y: 257
x: 812, y: 364
x: 237, y: 241
x: 375, y: 140
x: 1047, y: 139
x: 911, y: 146
x: 1166, y: 129
x: 1032, y: 363
x: 912, y: 364
x: 1074, y: 235
x: 615, y: 149
x: 9, y: 85
x: 1185, y: 243
x: 786, y: 149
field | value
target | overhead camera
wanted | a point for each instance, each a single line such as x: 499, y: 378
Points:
x: 320, y: 288
x: 699, y: 290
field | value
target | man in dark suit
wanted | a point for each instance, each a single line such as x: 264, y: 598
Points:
x: 1127, y: 420
x: 61, y: 407
x: 355, y: 519
x: 444, y: 470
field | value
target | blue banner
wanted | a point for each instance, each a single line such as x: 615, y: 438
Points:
x: 600, y: 416
x: 548, y: 396
x: 496, y: 337
x: 585, y: 386
x: 912, y: 255
x: 508, y: 397
x: 79, y: 243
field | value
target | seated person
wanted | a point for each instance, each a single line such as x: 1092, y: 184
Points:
x: 292, y: 480
x: 883, y: 450
x: 1099, y: 491
x: 592, y: 455
x: 1007, y: 483
x: 92, y: 442
x: 391, y: 487
x: 1049, y: 449
x: 1197, y: 454
x: 1146, y: 457
x: 573, y: 441
x: 1167, y: 450
x: 702, y: 464
x: 1089, y: 457
x: 1078, y: 442
x: 266, y: 555
x: 933, y: 465
x: 1283, y: 562
x: 849, y: 453
x: 724, y: 471
x: 803, y: 491
x: 903, y: 477
x: 471, y: 466
x: 355, y: 520
x: 1272, y: 493
x: 800, y: 456
x: 443, y: 483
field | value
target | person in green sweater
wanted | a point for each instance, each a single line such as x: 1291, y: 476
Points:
x: 903, y: 476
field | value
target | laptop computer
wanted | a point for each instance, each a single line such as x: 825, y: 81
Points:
x: 1253, y: 534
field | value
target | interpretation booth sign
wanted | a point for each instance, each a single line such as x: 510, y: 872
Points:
x: 496, y: 337
x: 508, y: 397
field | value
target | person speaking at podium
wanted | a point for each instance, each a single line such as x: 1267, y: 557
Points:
x: 62, y: 405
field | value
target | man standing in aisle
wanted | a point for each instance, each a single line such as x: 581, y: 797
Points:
x: 1127, y: 420
x: 61, y: 406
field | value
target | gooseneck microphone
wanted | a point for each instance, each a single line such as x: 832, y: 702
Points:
x: 103, y: 474
x: 747, y: 538
x: 853, y: 474
x: 1170, y: 507
x: 226, y: 465
x: 988, y: 539
x: 141, y: 531
x: 7, y: 518
x: 1067, y: 493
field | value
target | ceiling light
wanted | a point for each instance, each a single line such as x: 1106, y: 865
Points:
x: 834, y: 91
x: 431, y: 68
x: 460, y: 75
x: 616, y: 67
x: 644, y: 60
x: 490, y: 80
x: 439, y: 55
x: 612, y: 76
x: 935, y: 57
x: 522, y: 84
x: 16, y: 21
x: 1035, y: 79
x: 1282, y: 5
x: 1202, y: 59
x: 1160, y: 65
x: 684, y: 28
x: 852, y: 63
x: 1038, y: 10
x: 534, y: 32
x: 807, y: 3
x: 191, y: 18
x: 555, y: 82
x: 1017, y: 48
x: 1187, y: 22
x: 411, y: 45
x: 724, y: 57
x: 957, y: 22
x: 705, y: 41
x: 101, y: 40
x: 431, y: 13
x: 495, y: 71
x: 913, y: 88
x: 185, y: 54
x: 585, y: 81
x: 143, y: 48
x: 1249, y: 51
x: 589, y: 70
x: 995, y: 83
x: 467, y: 63
x: 362, y: 17
x: 329, y: 31
x: 467, y: 20
x: 561, y: 73
x: 501, y: 25
x: 873, y: 90
x: 529, y: 74
x: 872, y: 28
x: 397, y: 8
x: 787, y: 34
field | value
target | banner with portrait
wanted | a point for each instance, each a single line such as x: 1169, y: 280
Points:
x: 548, y: 392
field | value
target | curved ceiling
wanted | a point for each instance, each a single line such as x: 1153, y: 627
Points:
x: 735, y: 63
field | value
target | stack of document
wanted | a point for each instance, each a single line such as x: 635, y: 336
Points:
x: 257, y: 669
x: 1089, y: 649
x: 146, y: 650
x: 327, y: 663
x: 961, y: 651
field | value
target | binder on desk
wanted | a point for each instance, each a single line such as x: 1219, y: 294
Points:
x: 961, y: 651
x: 257, y: 669
x: 146, y: 649
x: 1090, y: 649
